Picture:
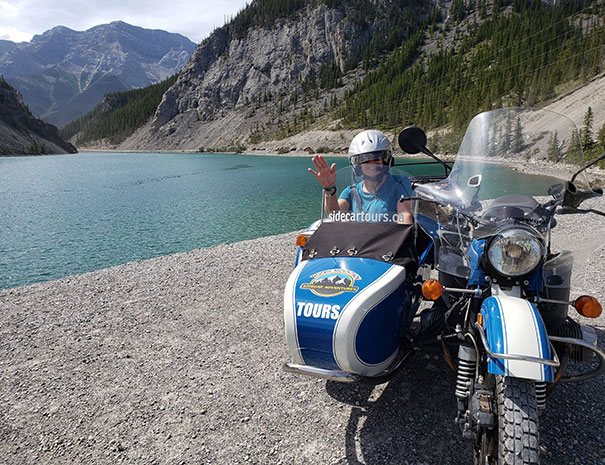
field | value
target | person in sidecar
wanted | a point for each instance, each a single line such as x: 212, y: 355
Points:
x: 378, y: 192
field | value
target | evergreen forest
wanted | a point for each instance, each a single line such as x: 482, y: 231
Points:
x: 521, y: 56
x: 417, y: 68
x: 119, y: 115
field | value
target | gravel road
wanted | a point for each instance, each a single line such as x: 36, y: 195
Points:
x: 177, y: 360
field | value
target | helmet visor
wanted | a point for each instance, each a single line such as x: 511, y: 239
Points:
x: 381, y: 155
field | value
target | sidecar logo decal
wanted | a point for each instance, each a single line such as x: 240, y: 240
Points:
x: 330, y: 283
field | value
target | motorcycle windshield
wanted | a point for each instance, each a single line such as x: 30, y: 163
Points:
x: 369, y: 216
x: 511, y: 151
x: 370, y: 193
x: 511, y: 161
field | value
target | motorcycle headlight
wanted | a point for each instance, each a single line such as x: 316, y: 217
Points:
x: 515, y: 252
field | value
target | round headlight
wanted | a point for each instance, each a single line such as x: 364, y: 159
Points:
x: 515, y: 252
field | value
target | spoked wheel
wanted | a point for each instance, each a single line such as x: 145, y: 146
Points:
x: 515, y: 440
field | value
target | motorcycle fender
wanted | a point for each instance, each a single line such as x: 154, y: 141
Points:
x: 513, y: 326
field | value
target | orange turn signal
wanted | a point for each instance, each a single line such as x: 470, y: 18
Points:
x: 432, y: 289
x: 301, y: 240
x: 480, y: 319
x: 588, y: 306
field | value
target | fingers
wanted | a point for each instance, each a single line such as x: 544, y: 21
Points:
x: 313, y: 173
x: 319, y: 162
x: 325, y: 174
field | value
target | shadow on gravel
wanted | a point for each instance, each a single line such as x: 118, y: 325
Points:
x: 411, y: 419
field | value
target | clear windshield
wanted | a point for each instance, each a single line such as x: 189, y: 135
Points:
x: 511, y: 151
x: 509, y: 164
x: 370, y: 193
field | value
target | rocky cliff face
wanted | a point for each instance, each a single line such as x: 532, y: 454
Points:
x: 63, y: 74
x: 214, y: 101
x: 21, y: 133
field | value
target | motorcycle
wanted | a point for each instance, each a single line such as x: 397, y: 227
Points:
x: 477, y: 277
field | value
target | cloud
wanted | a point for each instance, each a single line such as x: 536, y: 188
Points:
x: 13, y: 34
x: 21, y: 19
x: 7, y: 9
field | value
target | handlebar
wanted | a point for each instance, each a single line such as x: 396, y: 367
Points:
x: 573, y: 197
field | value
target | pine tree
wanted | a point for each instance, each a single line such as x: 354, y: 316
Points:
x: 574, y: 151
x: 458, y: 10
x: 482, y: 8
x: 508, y: 132
x: 586, y: 132
x: 555, y: 148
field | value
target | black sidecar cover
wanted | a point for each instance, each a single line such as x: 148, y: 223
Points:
x: 389, y: 242
x: 345, y: 311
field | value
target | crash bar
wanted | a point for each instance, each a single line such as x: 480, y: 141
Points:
x: 600, y: 369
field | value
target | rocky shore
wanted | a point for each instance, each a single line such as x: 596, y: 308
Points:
x: 177, y: 360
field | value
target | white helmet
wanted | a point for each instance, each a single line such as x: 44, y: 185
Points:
x: 370, y: 145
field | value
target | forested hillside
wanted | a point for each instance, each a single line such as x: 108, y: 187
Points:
x: 397, y: 21
x: 521, y: 56
x: 118, y: 116
x: 23, y: 134
x: 280, y: 68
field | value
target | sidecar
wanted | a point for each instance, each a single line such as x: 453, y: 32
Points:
x: 352, y: 296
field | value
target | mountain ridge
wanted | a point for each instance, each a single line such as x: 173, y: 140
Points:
x: 63, y: 74
x: 23, y: 134
x: 197, y: 114
x: 233, y: 86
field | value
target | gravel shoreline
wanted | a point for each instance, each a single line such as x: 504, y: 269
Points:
x: 177, y: 360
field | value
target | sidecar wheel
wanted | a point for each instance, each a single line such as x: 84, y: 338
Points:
x: 518, y: 440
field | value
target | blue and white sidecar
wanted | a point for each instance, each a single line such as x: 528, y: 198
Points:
x: 353, y: 294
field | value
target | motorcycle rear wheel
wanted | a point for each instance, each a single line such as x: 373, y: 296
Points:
x: 515, y: 440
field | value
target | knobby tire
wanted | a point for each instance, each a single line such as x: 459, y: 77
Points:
x: 518, y: 438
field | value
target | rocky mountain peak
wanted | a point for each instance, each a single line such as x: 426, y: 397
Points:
x: 54, y: 32
x: 63, y: 73
x: 235, y: 68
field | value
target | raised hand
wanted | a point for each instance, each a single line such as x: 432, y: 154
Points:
x: 326, y: 175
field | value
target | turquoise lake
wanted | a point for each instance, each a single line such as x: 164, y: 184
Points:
x: 68, y: 214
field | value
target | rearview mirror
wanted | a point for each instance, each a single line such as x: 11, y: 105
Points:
x: 412, y: 140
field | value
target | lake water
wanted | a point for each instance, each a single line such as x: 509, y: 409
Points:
x: 68, y: 214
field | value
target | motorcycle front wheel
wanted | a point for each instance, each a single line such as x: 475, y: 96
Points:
x: 515, y: 440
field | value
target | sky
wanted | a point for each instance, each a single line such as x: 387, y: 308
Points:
x: 20, y: 20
